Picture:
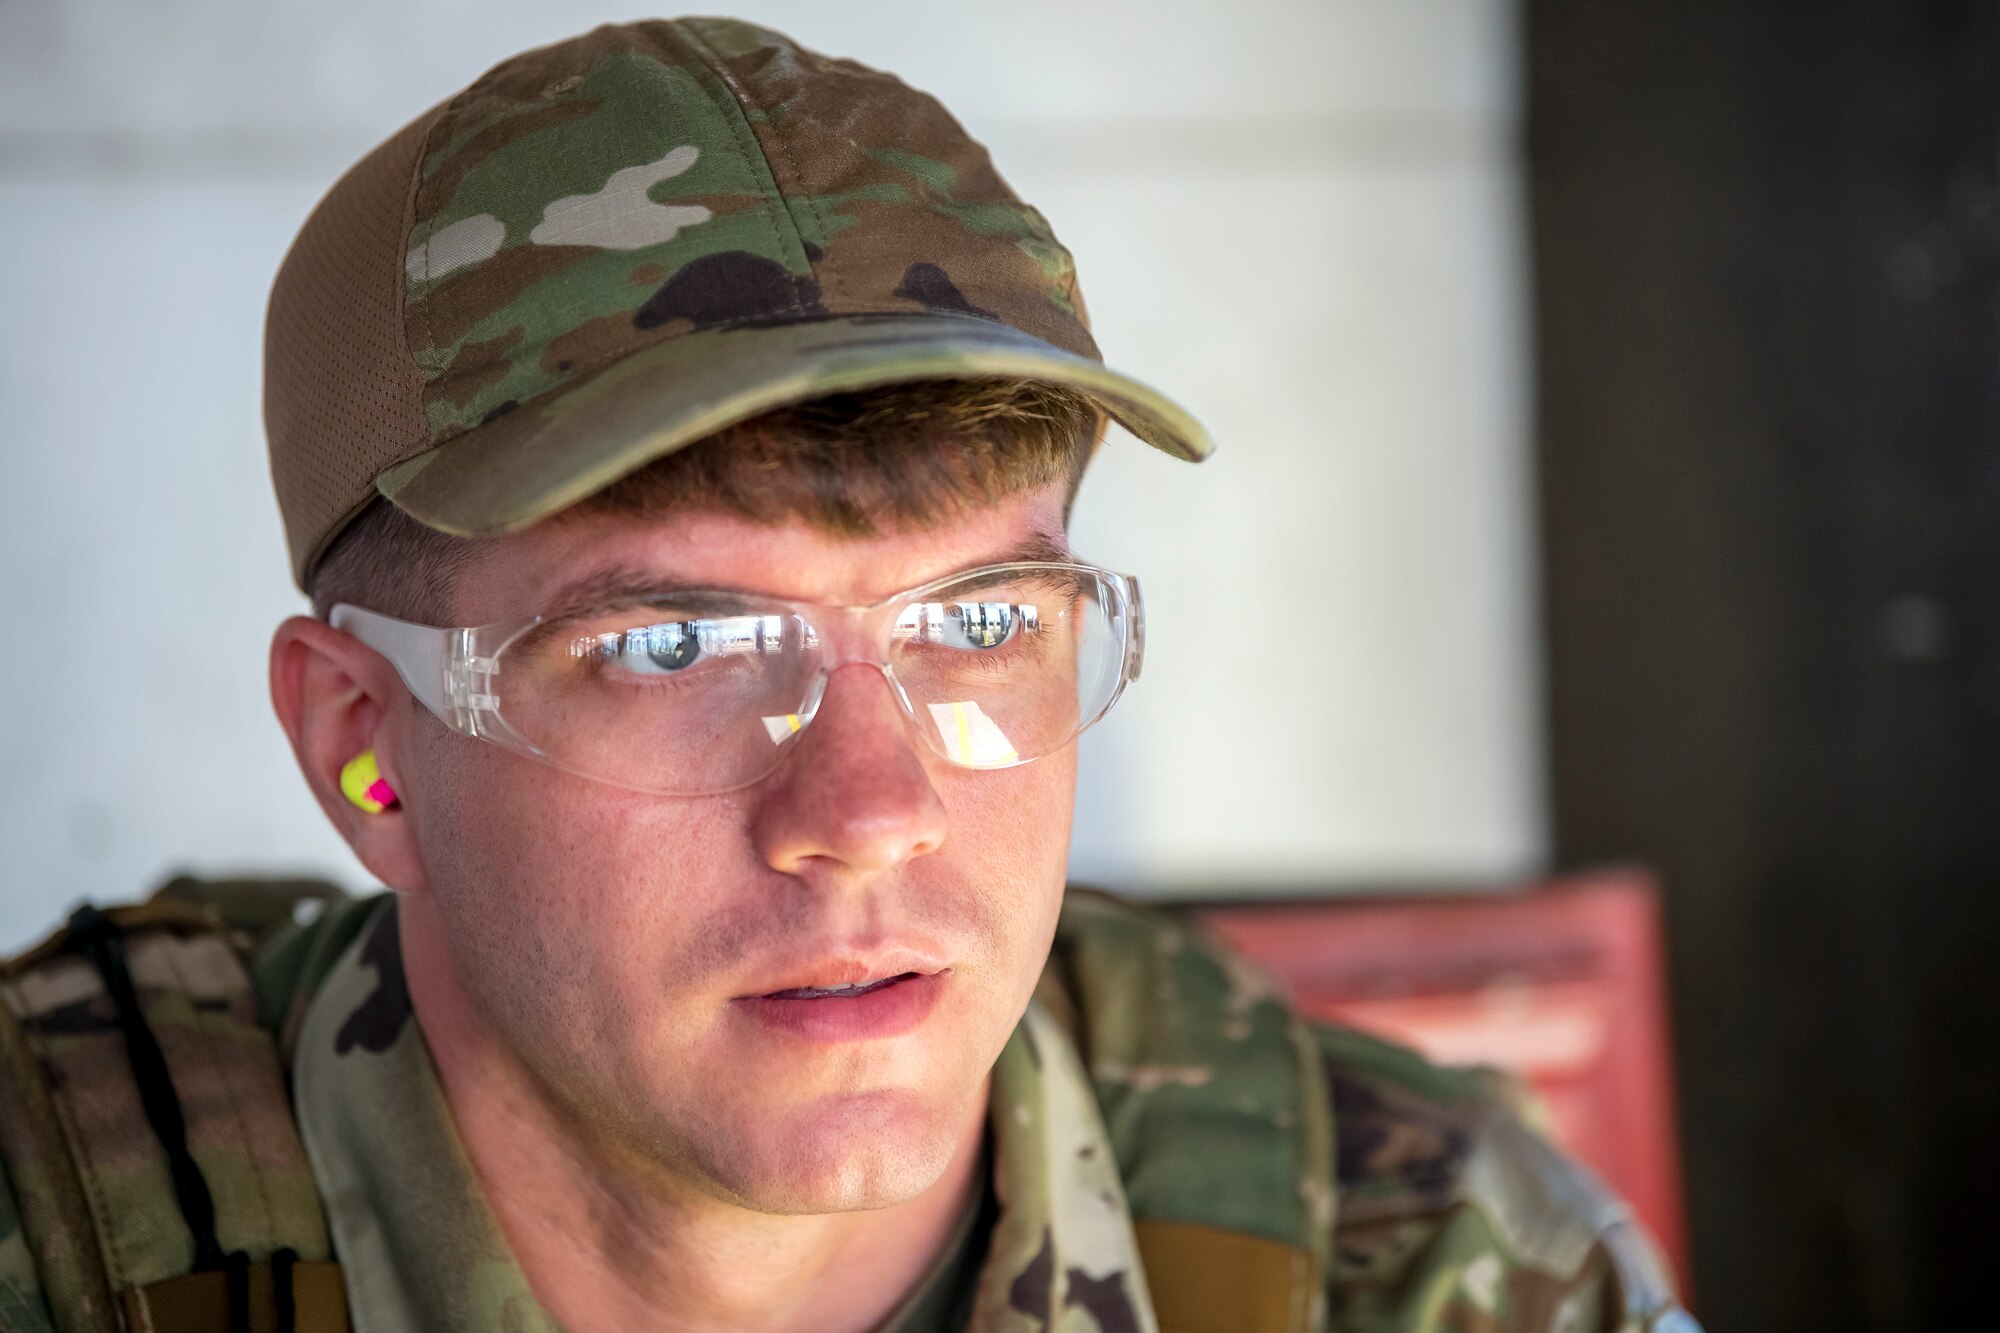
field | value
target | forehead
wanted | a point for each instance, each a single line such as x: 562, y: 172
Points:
x: 542, y: 568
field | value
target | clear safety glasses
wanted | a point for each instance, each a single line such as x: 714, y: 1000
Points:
x: 693, y: 693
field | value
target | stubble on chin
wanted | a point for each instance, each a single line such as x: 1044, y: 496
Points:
x: 837, y: 1155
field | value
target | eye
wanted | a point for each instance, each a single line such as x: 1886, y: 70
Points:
x: 977, y: 626
x: 658, y: 650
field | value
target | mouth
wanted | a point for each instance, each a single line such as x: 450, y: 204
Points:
x: 838, y: 992
x: 870, y: 1009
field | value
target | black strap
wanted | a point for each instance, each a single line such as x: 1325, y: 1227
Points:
x: 95, y: 936
x: 281, y: 1289
x: 236, y: 1269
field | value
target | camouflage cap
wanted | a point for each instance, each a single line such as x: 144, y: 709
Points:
x: 606, y: 249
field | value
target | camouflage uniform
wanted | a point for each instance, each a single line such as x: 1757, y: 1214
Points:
x: 1164, y: 1131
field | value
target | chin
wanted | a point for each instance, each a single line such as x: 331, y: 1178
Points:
x: 841, y: 1153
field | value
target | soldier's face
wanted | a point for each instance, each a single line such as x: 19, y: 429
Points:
x: 627, y: 948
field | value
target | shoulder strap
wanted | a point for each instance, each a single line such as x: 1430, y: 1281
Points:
x: 145, y: 1125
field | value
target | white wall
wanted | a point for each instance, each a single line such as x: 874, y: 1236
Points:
x: 1300, y: 216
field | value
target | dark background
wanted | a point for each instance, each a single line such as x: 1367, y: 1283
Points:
x: 1768, y: 296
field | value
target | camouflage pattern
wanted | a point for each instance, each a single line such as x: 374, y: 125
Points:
x: 1063, y: 1255
x: 82, y: 1135
x: 420, y: 1248
x: 1210, y: 1084
x: 643, y: 182
x: 56, y: 1226
x: 616, y: 245
x: 1439, y: 1209
x: 1156, y: 1081
x: 1446, y: 1219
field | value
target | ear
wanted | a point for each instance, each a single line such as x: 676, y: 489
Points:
x: 336, y: 697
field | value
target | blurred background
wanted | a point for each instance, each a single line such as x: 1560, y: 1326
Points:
x: 1609, y: 400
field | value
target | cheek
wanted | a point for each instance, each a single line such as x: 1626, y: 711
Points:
x: 563, y: 896
x: 1008, y: 839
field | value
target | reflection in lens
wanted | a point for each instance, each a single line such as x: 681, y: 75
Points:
x: 1006, y: 672
x: 971, y: 738
x: 778, y: 728
x: 967, y: 626
x: 704, y: 695
x: 668, y: 647
x: 981, y: 625
x: 677, y: 700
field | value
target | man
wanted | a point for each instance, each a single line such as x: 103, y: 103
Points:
x: 675, y: 433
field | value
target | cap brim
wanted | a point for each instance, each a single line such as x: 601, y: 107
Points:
x: 551, y: 453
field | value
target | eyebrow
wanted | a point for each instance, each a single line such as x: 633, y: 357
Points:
x: 622, y: 582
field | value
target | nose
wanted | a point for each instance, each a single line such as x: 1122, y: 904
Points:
x: 855, y: 797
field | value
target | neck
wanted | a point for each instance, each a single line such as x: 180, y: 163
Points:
x: 609, y: 1240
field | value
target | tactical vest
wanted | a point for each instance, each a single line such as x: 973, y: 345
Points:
x: 145, y: 1126
x: 161, y: 1183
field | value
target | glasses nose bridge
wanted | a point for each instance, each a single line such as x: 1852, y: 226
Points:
x: 851, y: 635
x: 903, y: 705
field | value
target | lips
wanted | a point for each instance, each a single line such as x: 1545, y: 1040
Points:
x: 837, y: 992
x: 867, y: 1010
x: 840, y: 968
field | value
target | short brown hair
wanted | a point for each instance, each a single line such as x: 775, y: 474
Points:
x: 850, y: 464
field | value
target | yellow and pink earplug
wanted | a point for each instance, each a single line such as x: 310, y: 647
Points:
x: 361, y: 782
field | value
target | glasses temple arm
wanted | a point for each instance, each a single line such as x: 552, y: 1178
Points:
x: 421, y: 654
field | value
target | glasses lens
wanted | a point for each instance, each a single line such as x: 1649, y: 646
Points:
x: 680, y: 700
x: 1002, y: 667
x: 1009, y: 667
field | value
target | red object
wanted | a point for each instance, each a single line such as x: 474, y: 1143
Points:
x: 1561, y: 985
